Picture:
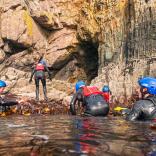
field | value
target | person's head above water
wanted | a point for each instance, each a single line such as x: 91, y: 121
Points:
x: 79, y: 84
x: 149, y: 84
x: 2, y: 85
x: 105, y: 89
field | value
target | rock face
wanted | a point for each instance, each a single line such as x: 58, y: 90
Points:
x: 19, y: 30
x: 126, y: 37
x: 102, y: 42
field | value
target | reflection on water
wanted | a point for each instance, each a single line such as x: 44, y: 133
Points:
x: 74, y: 136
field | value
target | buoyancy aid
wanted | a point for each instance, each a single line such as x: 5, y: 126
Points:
x: 89, y: 90
x: 39, y: 66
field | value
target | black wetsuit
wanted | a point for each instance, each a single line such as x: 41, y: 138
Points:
x: 5, y: 105
x: 40, y: 75
x: 94, y: 104
x: 143, y: 110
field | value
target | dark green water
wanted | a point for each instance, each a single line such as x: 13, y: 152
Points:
x: 75, y: 136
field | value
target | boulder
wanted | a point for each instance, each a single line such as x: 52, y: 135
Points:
x: 61, y: 44
x: 2, y: 56
x: 54, y: 14
x: 69, y: 11
x: 23, y: 60
x: 13, y: 74
x: 9, y: 4
x: 45, y: 13
x: 20, y: 30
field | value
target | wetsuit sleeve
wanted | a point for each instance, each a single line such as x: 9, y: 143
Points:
x: 135, y: 113
x: 32, y: 73
x: 47, y: 70
x: 73, y: 103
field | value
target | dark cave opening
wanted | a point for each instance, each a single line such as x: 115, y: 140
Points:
x: 14, y: 47
x: 88, y: 59
x: 82, y: 64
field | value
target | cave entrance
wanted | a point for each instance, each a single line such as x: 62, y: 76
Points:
x: 88, y: 59
x: 80, y: 65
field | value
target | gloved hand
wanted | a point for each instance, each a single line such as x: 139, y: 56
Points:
x: 30, y: 80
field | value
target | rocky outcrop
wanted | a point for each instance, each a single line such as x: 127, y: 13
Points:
x: 102, y: 42
x: 19, y: 30
x: 125, y: 32
x: 31, y: 28
x: 61, y: 44
x: 54, y: 15
x: 1, y: 42
x: 45, y: 13
x: 2, y: 56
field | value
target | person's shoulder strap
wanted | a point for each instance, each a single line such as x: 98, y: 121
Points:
x: 152, y: 99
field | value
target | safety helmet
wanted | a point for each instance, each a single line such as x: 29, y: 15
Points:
x: 149, y: 83
x: 2, y: 83
x: 79, y: 84
x: 43, y: 62
x: 105, y: 89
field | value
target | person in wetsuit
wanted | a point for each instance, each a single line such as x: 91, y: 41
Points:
x: 39, y: 72
x: 106, y: 93
x: 5, y: 105
x: 145, y: 109
x: 91, y: 98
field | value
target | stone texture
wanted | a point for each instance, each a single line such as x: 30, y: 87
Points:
x: 19, y: 29
x: 123, y: 78
x: 122, y: 34
x: 7, y: 48
x: 45, y: 13
x: 9, y: 4
x: 125, y: 31
x: 52, y: 15
x: 2, y: 56
x: 61, y: 44
x: 1, y: 42
x: 69, y: 11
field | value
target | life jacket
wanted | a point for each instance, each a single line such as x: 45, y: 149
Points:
x: 39, y: 66
x: 89, y: 90
x: 106, y: 96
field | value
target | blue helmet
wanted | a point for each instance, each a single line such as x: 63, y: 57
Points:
x: 43, y: 62
x: 79, y: 84
x: 105, y: 89
x: 2, y: 83
x: 149, y: 83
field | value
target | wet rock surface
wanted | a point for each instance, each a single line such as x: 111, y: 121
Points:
x: 29, y: 106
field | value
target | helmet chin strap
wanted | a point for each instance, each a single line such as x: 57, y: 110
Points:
x: 1, y: 90
x: 144, y: 92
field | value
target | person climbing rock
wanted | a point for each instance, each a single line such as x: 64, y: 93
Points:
x: 5, y: 104
x: 145, y: 109
x: 106, y: 93
x: 91, y: 99
x: 39, y: 72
